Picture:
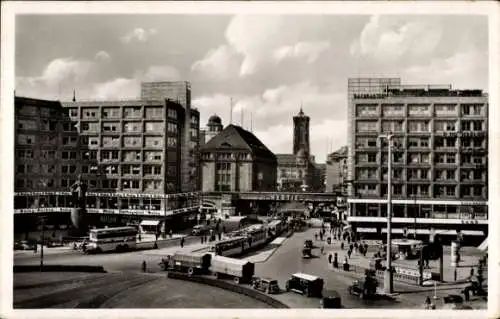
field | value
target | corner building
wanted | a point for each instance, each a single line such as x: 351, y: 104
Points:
x: 439, y: 164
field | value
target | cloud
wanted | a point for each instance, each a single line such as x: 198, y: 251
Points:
x: 138, y: 34
x: 308, y: 50
x: 120, y: 88
x: 102, y: 56
x: 221, y: 63
x: 161, y: 73
x: 58, y: 73
x: 466, y: 70
x: 391, y: 37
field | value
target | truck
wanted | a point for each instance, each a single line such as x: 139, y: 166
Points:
x: 189, y: 262
x: 240, y: 270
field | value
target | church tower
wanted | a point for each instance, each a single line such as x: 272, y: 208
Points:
x: 301, y: 134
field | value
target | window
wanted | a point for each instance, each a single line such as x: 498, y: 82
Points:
x: 155, y: 127
x: 171, y: 141
x: 136, y: 169
x: 172, y: 113
x: 131, y: 141
x: 444, y: 126
x: 366, y: 110
x: 109, y: 155
x: 111, y: 169
x: 152, y: 185
x: 26, y: 125
x: 28, y: 110
x: 153, y: 141
x: 110, y: 112
x: 154, y: 112
x: 172, y: 127
x: 89, y: 155
x: 418, y: 110
x: 478, y: 191
x: 445, y: 109
x: 450, y: 158
x: 132, y: 156
x: 25, y: 139
x: 110, y: 141
x: 152, y: 170
x: 130, y: 184
x: 393, y: 109
x: 466, y: 125
x: 194, y: 120
x: 132, y: 127
x: 366, y: 126
x: 418, y: 126
x: 392, y: 126
x: 477, y: 125
x: 110, y: 127
x: 372, y: 158
x: 450, y: 190
x: 132, y: 112
x: 397, y: 189
x: 153, y: 156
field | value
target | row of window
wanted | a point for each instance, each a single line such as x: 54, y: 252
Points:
x: 128, y: 127
x: 111, y: 184
x: 34, y: 111
x: 420, y: 109
x: 128, y: 141
x: 92, y: 155
x: 423, y: 158
x: 424, y: 142
x: 421, y: 190
x: 420, y: 126
x: 149, y: 112
x: 422, y: 174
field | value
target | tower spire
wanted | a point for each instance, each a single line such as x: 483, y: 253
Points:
x: 74, y: 95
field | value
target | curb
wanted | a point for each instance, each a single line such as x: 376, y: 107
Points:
x: 230, y: 287
x: 59, y: 268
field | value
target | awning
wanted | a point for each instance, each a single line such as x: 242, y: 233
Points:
x: 150, y: 223
x: 366, y: 230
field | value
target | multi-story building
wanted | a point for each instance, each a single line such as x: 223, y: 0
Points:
x: 439, y: 163
x: 336, y: 171
x: 235, y: 160
x: 138, y: 157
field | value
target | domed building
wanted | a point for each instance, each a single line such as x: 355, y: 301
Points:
x: 214, y: 127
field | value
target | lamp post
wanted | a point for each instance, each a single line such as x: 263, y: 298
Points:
x: 388, y: 276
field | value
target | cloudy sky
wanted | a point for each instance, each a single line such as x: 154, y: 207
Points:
x: 268, y: 64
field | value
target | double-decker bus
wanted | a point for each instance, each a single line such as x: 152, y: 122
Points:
x: 230, y: 247
x: 112, y: 239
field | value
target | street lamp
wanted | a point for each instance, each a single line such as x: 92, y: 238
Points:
x: 388, y: 278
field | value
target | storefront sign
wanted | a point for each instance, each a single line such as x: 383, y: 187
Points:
x: 42, y: 210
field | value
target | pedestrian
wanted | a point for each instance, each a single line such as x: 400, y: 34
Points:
x: 427, y: 303
x: 322, y: 249
x: 182, y: 242
x: 466, y: 292
x: 139, y: 236
x: 330, y: 258
x: 355, y: 246
x: 351, y: 246
x: 143, y: 266
x: 316, y: 236
x: 342, y: 245
x: 220, y: 236
x: 201, y: 239
x: 349, y: 252
x: 35, y: 248
x: 171, y: 233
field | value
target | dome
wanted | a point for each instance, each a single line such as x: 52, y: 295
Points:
x: 214, y: 119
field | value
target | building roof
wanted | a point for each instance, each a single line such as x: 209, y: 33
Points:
x: 236, y: 138
x: 341, y: 152
x: 214, y: 119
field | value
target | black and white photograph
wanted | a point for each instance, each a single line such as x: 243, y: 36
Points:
x: 244, y: 157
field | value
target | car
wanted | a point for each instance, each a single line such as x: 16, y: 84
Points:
x: 306, y: 252
x: 23, y: 245
x: 308, y: 285
x: 363, y: 289
x: 199, y: 230
x: 267, y: 285
x: 331, y: 300
x: 308, y: 243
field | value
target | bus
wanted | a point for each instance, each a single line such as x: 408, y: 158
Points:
x: 112, y: 239
x: 275, y: 227
x: 258, y: 235
x: 230, y: 247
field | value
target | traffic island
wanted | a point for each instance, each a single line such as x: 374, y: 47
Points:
x: 239, y: 289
